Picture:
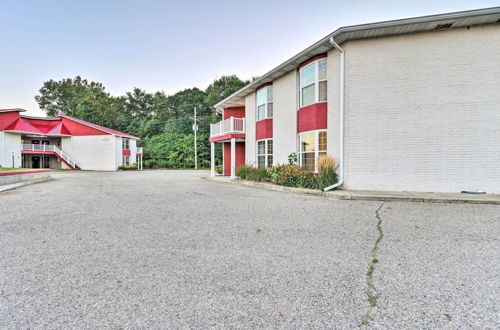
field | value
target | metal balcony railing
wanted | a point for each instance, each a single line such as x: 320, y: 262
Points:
x: 231, y: 125
x: 50, y: 148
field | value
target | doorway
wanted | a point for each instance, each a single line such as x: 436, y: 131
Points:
x: 35, y: 162
x: 46, y: 161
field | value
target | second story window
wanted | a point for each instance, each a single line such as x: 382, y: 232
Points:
x: 125, y: 144
x: 265, y: 103
x: 313, y: 83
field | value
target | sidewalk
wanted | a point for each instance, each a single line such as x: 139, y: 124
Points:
x: 372, y: 195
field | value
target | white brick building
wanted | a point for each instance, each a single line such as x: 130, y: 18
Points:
x: 421, y: 106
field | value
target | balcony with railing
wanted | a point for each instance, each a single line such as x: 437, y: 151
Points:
x: 228, y: 126
x: 50, y: 149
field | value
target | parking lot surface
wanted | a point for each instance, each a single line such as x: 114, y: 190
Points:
x: 167, y: 249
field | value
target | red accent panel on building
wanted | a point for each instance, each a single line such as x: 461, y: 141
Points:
x: 240, y: 156
x: 236, y: 112
x: 312, y: 117
x: 126, y: 152
x: 78, y: 129
x: 264, y: 129
x: 7, y: 119
x: 312, y: 59
x: 227, y: 137
x: 21, y: 172
x: 39, y: 152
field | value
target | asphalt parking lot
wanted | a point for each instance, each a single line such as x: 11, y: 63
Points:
x: 167, y: 249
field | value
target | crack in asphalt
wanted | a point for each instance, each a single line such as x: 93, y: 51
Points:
x: 371, y: 292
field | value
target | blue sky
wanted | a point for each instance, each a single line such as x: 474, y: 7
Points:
x: 171, y: 45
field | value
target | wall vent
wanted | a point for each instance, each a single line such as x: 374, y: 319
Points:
x: 443, y: 26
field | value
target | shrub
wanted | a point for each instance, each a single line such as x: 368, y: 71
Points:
x: 327, y: 171
x: 293, y: 176
x: 218, y: 169
x: 251, y: 173
x: 128, y: 167
x: 292, y: 158
x: 242, y: 171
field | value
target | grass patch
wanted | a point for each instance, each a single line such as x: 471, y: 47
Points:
x: 370, y: 291
x: 9, y: 169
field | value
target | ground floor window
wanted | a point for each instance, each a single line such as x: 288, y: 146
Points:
x: 126, y: 160
x: 265, y: 153
x: 311, y: 146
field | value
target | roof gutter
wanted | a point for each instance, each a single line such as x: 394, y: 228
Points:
x: 342, y: 35
x: 341, y: 120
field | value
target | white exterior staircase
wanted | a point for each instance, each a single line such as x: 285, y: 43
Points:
x: 49, y: 148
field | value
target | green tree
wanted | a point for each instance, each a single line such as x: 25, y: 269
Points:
x: 66, y: 96
x: 163, y: 122
x: 222, y: 88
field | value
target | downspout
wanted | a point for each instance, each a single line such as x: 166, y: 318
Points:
x: 341, y: 107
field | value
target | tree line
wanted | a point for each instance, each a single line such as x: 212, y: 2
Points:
x: 161, y: 121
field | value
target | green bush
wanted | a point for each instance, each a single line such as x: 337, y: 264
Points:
x: 251, y: 173
x: 128, y: 167
x: 327, y: 172
x: 218, y: 169
x: 293, y: 176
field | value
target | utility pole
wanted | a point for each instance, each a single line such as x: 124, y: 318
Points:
x: 195, y: 129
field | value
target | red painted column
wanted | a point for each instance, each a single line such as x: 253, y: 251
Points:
x: 240, y: 156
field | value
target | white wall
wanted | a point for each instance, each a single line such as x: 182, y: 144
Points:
x: 422, y: 111
x: 333, y: 114
x: 93, y: 152
x: 250, y: 130
x: 284, y: 117
x: 2, y: 150
x: 10, y: 142
x: 133, y: 151
x: 118, y: 151
x: 66, y: 147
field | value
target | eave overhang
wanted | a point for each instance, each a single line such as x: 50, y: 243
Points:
x: 365, y: 31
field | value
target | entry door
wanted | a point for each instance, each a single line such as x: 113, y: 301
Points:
x: 35, y: 162
x: 46, y: 142
x: 46, y: 161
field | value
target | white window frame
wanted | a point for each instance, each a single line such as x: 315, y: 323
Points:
x: 316, y: 82
x: 265, y: 154
x: 125, y: 144
x: 316, y: 147
x: 266, y: 113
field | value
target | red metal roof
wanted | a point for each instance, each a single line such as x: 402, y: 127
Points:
x: 55, y: 126
x: 59, y: 129
x: 99, y: 127
x: 23, y: 125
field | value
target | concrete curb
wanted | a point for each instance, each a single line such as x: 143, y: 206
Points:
x: 22, y: 184
x: 12, y: 177
x: 370, y: 195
